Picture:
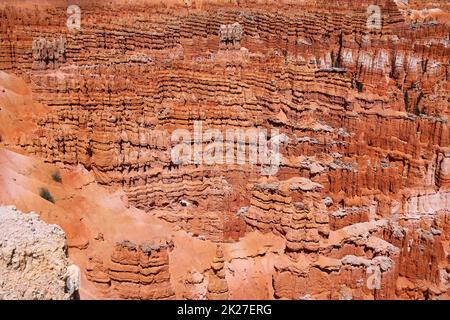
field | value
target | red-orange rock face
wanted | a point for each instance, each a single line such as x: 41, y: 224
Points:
x: 359, y: 206
x: 134, y: 272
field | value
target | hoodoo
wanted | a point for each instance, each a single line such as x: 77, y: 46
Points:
x: 223, y: 149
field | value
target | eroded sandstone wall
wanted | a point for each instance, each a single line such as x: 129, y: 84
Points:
x: 363, y: 188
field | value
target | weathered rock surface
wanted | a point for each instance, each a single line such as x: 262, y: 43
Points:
x: 134, y: 271
x: 33, y: 259
x: 360, y: 208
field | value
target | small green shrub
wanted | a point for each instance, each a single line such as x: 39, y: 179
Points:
x: 359, y: 86
x: 56, y: 177
x: 406, y: 100
x: 416, y: 105
x: 45, y: 194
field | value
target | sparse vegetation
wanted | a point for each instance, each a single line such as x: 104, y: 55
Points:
x: 406, y: 100
x: 56, y: 177
x: 338, y: 61
x: 393, y: 73
x: 45, y: 194
x: 424, y: 64
x: 355, y: 79
x: 359, y: 86
x: 416, y: 105
x: 89, y: 151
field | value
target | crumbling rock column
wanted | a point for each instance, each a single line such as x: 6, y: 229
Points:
x: 135, y: 271
x: 217, y: 284
x: 49, y: 50
x: 230, y: 36
x: 443, y: 173
x: 195, y: 287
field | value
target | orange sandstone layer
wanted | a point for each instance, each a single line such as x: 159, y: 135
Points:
x: 360, y: 207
